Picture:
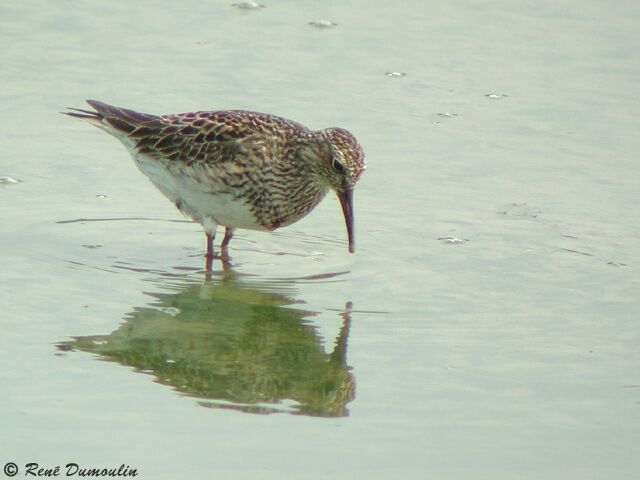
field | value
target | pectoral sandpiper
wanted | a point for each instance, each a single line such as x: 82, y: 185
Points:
x: 235, y: 168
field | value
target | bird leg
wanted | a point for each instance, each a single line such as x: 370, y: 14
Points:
x: 208, y: 268
x: 210, y: 238
x: 209, y: 255
x: 228, y: 235
x: 224, y: 246
x: 224, y: 252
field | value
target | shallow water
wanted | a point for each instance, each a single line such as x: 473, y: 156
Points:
x: 486, y: 326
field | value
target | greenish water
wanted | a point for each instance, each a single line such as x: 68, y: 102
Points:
x: 228, y: 341
x: 487, y: 326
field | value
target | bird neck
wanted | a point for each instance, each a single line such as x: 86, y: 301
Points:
x: 292, y: 186
x: 300, y: 191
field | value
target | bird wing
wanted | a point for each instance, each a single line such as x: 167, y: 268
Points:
x: 183, y: 138
x: 206, y: 138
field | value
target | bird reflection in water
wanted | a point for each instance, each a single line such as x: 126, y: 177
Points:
x: 234, y: 344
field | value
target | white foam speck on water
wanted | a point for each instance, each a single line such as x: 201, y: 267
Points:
x: 9, y: 181
x: 523, y: 210
x: 248, y: 5
x: 323, y: 24
x: 452, y: 240
x: 172, y: 311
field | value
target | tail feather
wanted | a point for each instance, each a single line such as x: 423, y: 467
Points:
x: 89, y: 112
x: 84, y: 114
x: 109, y: 117
x: 109, y: 112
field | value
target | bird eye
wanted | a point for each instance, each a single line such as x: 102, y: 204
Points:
x: 338, y: 166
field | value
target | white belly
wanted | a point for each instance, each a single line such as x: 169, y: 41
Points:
x: 198, y: 199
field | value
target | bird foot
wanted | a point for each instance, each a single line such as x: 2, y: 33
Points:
x: 224, y: 258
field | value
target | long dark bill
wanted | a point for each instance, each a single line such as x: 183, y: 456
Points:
x: 346, y: 200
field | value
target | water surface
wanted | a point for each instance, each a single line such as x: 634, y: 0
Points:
x: 486, y: 326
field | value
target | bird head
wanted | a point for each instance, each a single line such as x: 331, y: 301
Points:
x: 340, y: 168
